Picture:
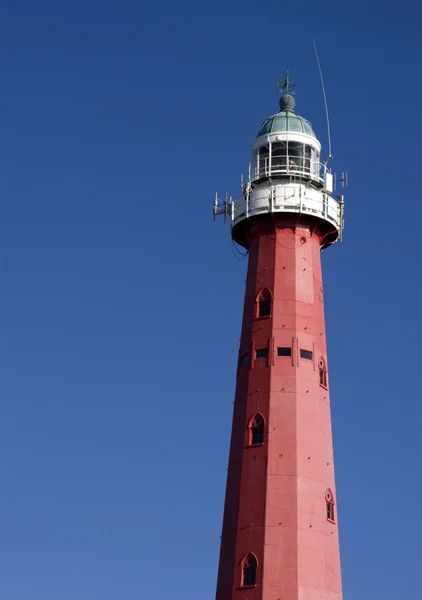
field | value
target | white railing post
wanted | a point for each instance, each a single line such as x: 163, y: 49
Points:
x: 270, y: 154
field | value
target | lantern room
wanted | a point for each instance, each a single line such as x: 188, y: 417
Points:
x: 286, y: 176
x: 286, y: 146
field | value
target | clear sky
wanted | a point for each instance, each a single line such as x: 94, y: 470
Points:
x: 121, y: 300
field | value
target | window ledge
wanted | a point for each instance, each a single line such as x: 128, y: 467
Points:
x: 254, y: 445
x: 260, y: 319
x: 324, y: 387
x: 246, y: 587
x: 330, y: 521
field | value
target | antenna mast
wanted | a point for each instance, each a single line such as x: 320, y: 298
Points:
x: 330, y: 156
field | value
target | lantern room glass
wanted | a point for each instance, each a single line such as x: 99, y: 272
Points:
x: 286, y: 158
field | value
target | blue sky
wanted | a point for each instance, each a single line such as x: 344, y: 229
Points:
x: 121, y: 300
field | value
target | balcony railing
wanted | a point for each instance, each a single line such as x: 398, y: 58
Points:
x: 294, y: 166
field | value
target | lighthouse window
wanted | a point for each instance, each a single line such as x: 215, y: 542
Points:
x: 244, y: 359
x: 249, y: 565
x: 295, y: 156
x: 262, y: 353
x: 329, y: 503
x: 264, y: 303
x: 284, y: 351
x: 255, y: 164
x: 256, y: 430
x: 315, y: 163
x: 322, y: 373
x: 279, y: 156
x: 306, y: 354
x: 307, y: 160
x: 263, y: 154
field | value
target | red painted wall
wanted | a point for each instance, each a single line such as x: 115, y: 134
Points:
x: 275, y: 498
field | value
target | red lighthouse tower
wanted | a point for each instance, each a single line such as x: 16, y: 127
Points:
x: 280, y: 533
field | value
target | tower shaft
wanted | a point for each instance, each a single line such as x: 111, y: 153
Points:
x: 280, y: 537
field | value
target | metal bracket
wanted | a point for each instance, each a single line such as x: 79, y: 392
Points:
x: 222, y: 207
x: 344, y: 180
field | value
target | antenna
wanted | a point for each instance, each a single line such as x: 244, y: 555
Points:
x: 330, y: 156
x: 344, y: 180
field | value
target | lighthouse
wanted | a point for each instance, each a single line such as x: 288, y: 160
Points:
x: 280, y: 527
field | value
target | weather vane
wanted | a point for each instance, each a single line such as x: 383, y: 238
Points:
x: 285, y: 84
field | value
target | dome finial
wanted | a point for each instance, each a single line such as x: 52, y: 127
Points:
x: 284, y: 85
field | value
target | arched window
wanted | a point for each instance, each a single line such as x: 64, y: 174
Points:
x: 264, y: 303
x: 256, y: 430
x: 322, y: 373
x: 249, y: 565
x: 329, y: 505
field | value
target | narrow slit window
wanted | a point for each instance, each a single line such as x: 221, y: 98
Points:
x: 264, y: 303
x: 256, y: 430
x: 262, y: 353
x: 244, y: 359
x: 249, y: 566
x: 306, y: 354
x: 329, y: 504
x: 284, y: 351
x: 322, y: 373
